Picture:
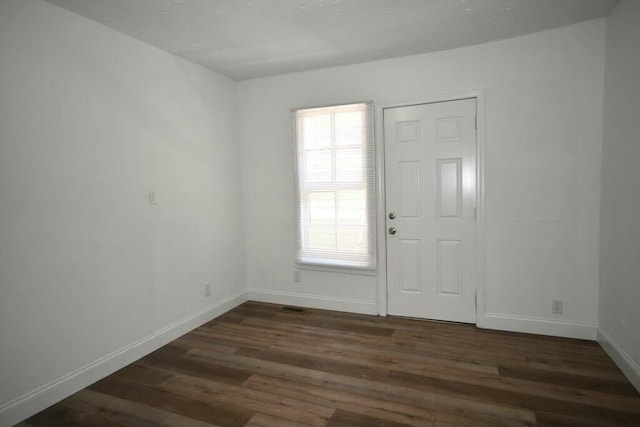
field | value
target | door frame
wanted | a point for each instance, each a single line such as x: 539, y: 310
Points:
x: 479, y: 95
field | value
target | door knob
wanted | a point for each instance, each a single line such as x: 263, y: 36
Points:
x: 392, y: 215
x: 392, y: 230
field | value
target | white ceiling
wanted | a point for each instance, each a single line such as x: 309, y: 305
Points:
x: 254, y: 38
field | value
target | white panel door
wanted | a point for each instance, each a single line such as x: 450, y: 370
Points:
x: 430, y: 178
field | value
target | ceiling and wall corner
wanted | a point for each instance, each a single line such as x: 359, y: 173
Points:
x: 247, y: 38
x: 620, y: 205
x: 81, y: 102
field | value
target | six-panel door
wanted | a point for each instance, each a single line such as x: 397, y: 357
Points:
x: 430, y: 178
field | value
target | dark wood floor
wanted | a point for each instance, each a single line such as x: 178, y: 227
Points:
x: 259, y: 365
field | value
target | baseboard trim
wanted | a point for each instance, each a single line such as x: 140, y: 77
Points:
x: 534, y: 325
x: 35, y: 401
x: 621, y: 358
x: 314, y: 301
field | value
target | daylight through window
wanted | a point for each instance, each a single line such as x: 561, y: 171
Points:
x: 335, y: 195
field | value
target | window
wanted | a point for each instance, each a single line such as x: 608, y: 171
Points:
x: 335, y: 186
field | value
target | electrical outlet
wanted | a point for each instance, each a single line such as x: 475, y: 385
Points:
x: 206, y: 291
x: 556, y: 306
x: 296, y: 276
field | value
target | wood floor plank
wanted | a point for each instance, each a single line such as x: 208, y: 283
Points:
x: 344, y: 418
x: 190, y: 341
x: 297, y: 331
x: 524, y: 398
x: 386, y: 410
x: 272, y: 404
x: 586, y: 382
x: 348, y: 326
x: 392, y: 412
x: 382, y: 358
x: 65, y: 413
x: 608, y: 374
x: 303, y: 334
x: 297, y: 341
x: 356, y: 368
x: 230, y: 416
x: 531, y: 388
x: 405, y: 359
x: 494, y: 414
x: 266, y: 420
x: 262, y: 365
x: 550, y: 419
x: 172, y: 365
x: 138, y: 373
x: 126, y: 412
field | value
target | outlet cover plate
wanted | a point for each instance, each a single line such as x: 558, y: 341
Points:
x: 556, y: 306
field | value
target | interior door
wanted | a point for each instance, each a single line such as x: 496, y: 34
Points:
x: 430, y: 179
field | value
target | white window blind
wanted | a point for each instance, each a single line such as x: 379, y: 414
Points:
x: 335, y: 186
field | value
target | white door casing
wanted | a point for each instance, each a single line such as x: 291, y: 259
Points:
x: 430, y: 185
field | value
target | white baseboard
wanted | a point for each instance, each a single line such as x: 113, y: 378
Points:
x: 35, y: 401
x: 621, y: 358
x: 534, y: 325
x: 314, y: 301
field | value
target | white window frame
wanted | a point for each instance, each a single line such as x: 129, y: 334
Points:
x: 349, y: 262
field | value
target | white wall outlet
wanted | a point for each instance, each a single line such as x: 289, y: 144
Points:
x: 556, y: 306
x: 296, y: 276
x: 206, y: 291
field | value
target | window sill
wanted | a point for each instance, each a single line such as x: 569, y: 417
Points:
x: 336, y: 269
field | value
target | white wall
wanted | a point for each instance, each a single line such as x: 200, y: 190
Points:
x: 620, y: 207
x: 92, y: 276
x: 544, y: 95
x: 89, y: 121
